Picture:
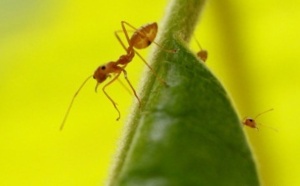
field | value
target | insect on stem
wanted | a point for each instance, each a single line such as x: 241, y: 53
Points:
x: 141, y: 38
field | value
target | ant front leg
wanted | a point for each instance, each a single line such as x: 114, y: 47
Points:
x: 133, y: 90
x: 111, y: 100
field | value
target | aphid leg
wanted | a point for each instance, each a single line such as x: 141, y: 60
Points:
x: 263, y: 113
x: 71, y: 104
x: 268, y: 127
x: 96, y: 87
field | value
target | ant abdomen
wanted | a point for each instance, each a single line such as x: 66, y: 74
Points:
x: 144, y: 36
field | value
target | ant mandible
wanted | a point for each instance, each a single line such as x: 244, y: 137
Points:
x: 141, y: 38
x: 250, y: 122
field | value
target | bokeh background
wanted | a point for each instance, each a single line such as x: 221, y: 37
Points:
x: 47, y: 48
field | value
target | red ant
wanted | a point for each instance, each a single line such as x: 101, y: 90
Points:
x: 250, y: 122
x: 141, y: 38
x: 202, y: 54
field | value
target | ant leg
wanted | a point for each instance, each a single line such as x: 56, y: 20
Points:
x: 111, y: 100
x: 119, y: 39
x: 125, y: 30
x: 152, y: 70
x: 263, y: 113
x: 134, y: 92
x: 124, y: 86
x: 142, y: 33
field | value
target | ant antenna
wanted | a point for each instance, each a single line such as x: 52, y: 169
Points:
x: 71, y: 103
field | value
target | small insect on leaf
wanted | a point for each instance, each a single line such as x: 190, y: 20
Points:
x: 202, y: 54
x: 251, y: 122
x: 141, y: 38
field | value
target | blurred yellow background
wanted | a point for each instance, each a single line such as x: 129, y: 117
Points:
x: 47, y: 48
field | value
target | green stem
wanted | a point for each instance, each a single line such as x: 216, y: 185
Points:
x: 187, y: 133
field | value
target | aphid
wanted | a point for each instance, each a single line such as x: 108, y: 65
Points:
x: 202, y: 54
x: 141, y: 38
x: 250, y: 122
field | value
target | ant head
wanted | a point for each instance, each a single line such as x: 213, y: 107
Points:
x: 202, y: 55
x: 101, y: 73
x: 250, y: 122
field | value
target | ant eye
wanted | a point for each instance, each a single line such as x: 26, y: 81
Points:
x: 103, y: 67
x: 251, y: 120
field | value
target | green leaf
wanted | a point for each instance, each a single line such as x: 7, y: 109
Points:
x: 187, y: 133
